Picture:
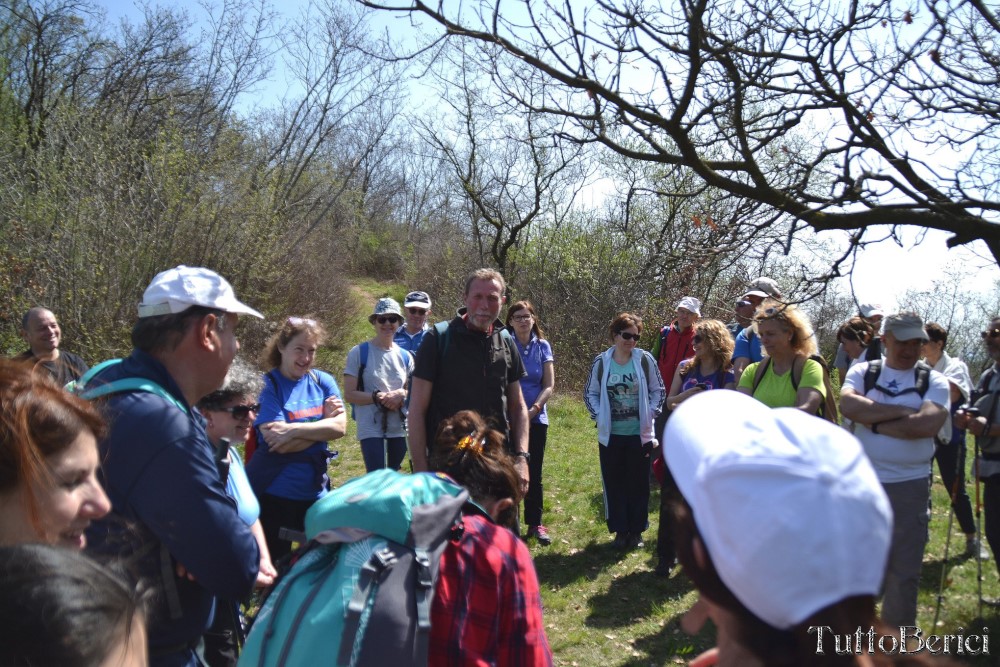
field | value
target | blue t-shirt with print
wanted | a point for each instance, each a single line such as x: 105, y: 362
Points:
x: 623, y: 397
x: 302, y: 475
x: 535, y: 355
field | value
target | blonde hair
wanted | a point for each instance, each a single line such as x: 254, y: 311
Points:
x: 792, y: 319
x: 719, y: 340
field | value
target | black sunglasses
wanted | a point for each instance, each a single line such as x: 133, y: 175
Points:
x: 242, y: 411
x: 391, y: 319
x: 992, y: 333
x: 628, y: 336
x: 416, y: 311
x: 697, y: 339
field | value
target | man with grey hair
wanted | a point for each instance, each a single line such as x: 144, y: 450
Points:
x: 898, y: 405
x: 171, y: 516
x: 41, y: 331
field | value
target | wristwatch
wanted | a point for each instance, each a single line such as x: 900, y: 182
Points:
x: 524, y: 455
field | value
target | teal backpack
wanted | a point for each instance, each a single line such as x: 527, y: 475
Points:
x: 361, y: 589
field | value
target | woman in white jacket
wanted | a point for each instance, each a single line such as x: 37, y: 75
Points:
x: 624, y: 395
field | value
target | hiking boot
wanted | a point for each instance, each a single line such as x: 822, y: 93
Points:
x: 664, y: 567
x: 634, y: 541
x: 976, y: 549
x: 540, y: 533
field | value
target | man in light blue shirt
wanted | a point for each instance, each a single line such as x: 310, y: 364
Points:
x: 417, y: 307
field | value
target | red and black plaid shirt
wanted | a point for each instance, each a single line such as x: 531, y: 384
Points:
x: 487, y: 609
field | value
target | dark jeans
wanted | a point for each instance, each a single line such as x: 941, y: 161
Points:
x: 381, y: 453
x: 625, y: 473
x: 277, y: 513
x: 951, y: 464
x: 537, y: 434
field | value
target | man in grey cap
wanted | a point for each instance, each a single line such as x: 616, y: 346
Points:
x: 171, y: 516
x: 417, y: 307
x: 748, y: 350
x: 899, y: 404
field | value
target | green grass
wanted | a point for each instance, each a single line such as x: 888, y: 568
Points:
x: 606, y: 609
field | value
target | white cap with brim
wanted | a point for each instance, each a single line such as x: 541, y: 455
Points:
x: 177, y: 289
x: 690, y: 304
x: 756, y: 292
x: 788, y: 505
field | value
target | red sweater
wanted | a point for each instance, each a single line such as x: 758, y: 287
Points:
x: 675, y: 349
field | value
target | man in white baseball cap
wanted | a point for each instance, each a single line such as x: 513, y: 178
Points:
x: 171, y: 516
x: 781, y: 520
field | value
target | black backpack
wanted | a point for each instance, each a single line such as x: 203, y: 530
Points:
x: 922, y: 379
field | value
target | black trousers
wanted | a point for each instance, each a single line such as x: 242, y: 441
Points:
x: 625, y: 473
x: 951, y: 464
x: 991, y: 514
x: 537, y: 435
x: 665, y: 547
x: 277, y: 513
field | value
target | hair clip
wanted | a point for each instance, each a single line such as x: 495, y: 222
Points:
x: 470, y: 442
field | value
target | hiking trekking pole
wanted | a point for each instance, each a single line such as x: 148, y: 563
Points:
x: 979, y: 526
x: 951, y: 521
x: 385, y: 438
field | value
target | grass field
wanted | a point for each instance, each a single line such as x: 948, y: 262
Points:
x: 604, y: 608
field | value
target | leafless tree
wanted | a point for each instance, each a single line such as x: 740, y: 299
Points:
x: 842, y: 115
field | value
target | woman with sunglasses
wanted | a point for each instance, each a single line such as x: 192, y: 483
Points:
x: 624, y: 394
x: 787, y: 377
x: 300, y: 411
x: 536, y: 387
x: 375, y: 381
x: 711, y: 366
x: 229, y: 413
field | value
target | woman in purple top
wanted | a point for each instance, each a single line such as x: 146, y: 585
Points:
x: 709, y: 368
x: 536, y: 386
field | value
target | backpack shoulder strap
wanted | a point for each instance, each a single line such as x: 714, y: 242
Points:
x: 798, y: 365
x: 986, y: 379
x: 132, y: 384
x: 443, y: 331
x: 644, y: 362
x: 759, y: 374
x: 872, y: 373
x: 922, y: 378
x: 80, y: 386
x: 363, y: 363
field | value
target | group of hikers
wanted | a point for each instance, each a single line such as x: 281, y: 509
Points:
x: 130, y: 517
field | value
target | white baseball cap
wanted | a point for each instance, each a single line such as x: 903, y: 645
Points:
x: 788, y: 505
x: 691, y: 304
x: 177, y: 289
